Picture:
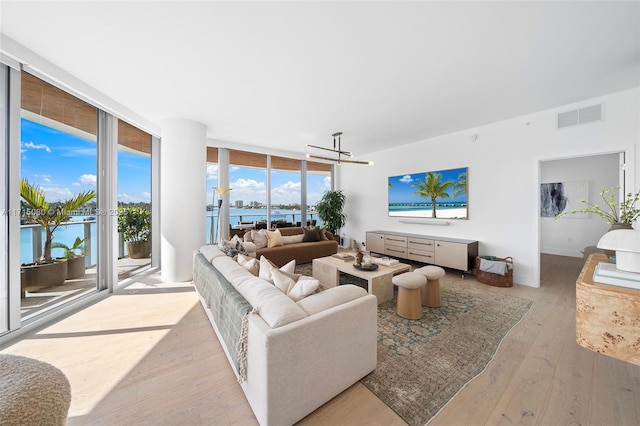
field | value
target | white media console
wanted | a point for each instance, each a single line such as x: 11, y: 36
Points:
x: 447, y: 252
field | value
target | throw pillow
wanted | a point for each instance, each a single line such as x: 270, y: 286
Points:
x: 296, y: 289
x: 259, y: 238
x: 292, y: 239
x: 274, y: 238
x: 323, y: 233
x: 266, y: 265
x: 303, y: 288
x: 311, y: 234
x: 251, y: 264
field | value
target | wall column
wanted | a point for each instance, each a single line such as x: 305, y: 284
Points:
x: 183, y: 189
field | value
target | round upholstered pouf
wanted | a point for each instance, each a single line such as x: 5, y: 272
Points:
x: 431, y: 292
x: 409, y: 288
x: 32, y: 392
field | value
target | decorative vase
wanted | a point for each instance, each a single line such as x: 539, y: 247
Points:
x: 620, y: 225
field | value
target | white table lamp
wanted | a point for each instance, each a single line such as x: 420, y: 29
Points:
x: 626, y: 243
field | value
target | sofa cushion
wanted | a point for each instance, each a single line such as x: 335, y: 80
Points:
x: 292, y: 239
x: 274, y: 307
x: 210, y: 252
x: 311, y: 234
x: 274, y: 238
x: 331, y: 297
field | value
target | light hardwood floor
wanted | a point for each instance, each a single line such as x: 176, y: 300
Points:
x: 148, y: 355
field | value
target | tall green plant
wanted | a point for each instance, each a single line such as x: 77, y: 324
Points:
x: 134, y: 223
x: 49, y: 218
x: 330, y: 210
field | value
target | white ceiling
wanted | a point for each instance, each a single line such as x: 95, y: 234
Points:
x: 289, y: 73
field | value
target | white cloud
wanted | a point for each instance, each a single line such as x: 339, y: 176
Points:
x: 75, y: 184
x: 327, y: 182
x: 89, y: 179
x: 287, y: 193
x: 406, y: 179
x: 32, y: 145
x: 212, y: 172
x: 146, y: 195
x: 246, y: 184
x: 56, y: 193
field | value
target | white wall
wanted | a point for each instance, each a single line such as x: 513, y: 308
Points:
x: 569, y: 235
x: 503, y: 178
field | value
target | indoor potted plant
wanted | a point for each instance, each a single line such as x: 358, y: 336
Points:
x: 619, y: 216
x: 329, y: 210
x: 135, y: 225
x: 46, y: 272
x: 75, y: 261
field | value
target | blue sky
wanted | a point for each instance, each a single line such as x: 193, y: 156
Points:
x: 63, y: 164
x: 403, y: 191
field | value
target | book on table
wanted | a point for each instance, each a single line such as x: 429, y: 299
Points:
x: 607, y: 273
x: 343, y: 256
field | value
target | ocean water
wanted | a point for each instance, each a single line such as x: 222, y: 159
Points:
x: 67, y: 233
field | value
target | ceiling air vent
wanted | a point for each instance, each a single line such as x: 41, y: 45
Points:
x: 580, y: 116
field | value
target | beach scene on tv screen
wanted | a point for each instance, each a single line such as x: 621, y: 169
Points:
x: 438, y: 194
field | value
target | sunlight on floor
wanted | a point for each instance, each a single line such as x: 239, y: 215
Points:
x: 90, y: 336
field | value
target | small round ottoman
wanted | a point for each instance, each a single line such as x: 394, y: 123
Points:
x: 409, y: 288
x: 32, y: 392
x: 431, y: 291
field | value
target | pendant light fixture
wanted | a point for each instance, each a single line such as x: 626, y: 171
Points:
x: 337, y: 149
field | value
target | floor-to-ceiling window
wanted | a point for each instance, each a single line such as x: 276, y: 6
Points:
x: 134, y: 199
x: 248, y: 197
x: 285, y: 192
x: 267, y: 191
x: 60, y: 198
x: 318, y: 181
x: 58, y: 189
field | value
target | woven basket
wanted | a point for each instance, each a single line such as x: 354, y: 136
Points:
x: 496, y: 280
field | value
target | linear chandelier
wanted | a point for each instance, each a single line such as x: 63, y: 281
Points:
x: 337, y: 148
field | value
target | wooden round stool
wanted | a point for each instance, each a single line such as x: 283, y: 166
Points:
x: 431, y: 291
x: 409, y: 288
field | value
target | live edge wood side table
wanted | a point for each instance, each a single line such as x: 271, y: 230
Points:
x: 607, y: 316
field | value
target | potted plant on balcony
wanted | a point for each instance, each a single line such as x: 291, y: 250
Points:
x: 135, y: 225
x: 329, y: 210
x: 75, y: 261
x: 45, y: 271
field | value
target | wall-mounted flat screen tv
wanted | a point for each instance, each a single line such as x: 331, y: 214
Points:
x: 440, y: 194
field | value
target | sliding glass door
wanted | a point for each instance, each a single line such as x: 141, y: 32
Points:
x: 58, y: 191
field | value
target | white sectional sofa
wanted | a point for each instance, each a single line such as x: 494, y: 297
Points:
x: 299, y: 355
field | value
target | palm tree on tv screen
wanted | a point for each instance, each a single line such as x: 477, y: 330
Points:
x: 433, y: 187
x: 461, y: 185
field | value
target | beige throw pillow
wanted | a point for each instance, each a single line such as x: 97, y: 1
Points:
x: 259, y: 238
x: 251, y: 264
x: 292, y: 239
x: 266, y: 265
x: 296, y: 289
x: 274, y: 238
